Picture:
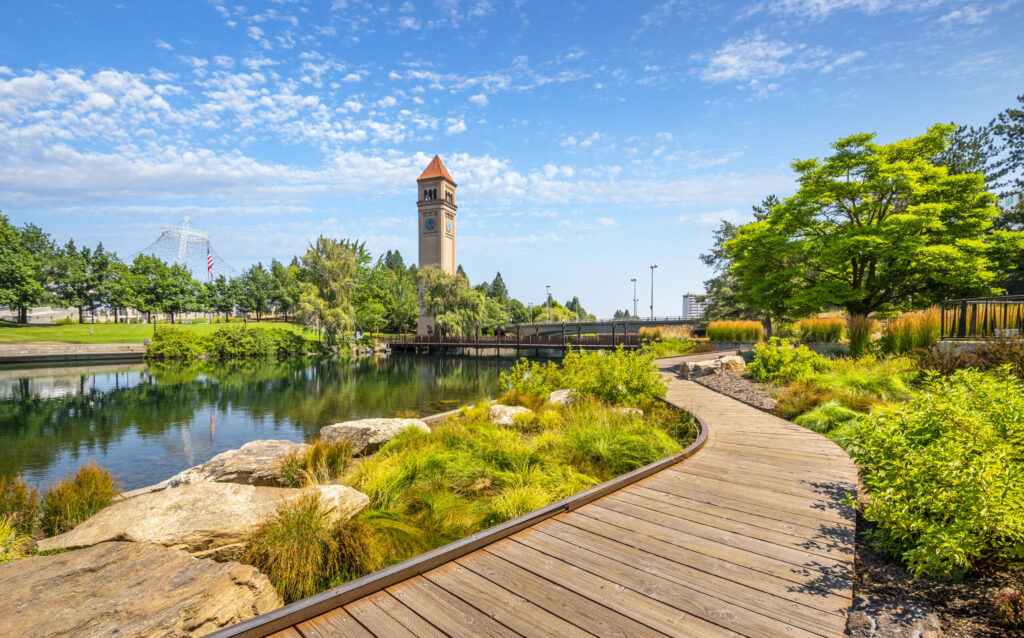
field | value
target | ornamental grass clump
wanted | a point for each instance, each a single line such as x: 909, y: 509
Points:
x: 821, y: 329
x: 321, y: 463
x: 15, y: 544
x: 76, y: 498
x: 736, y: 330
x: 911, y: 331
x: 19, y: 503
x: 944, y: 475
x: 859, y: 330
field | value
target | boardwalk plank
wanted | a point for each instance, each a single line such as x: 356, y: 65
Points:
x: 445, y: 611
x: 509, y: 609
x: 608, y: 592
x: 574, y: 608
x: 377, y: 621
x: 403, y: 615
x: 334, y: 624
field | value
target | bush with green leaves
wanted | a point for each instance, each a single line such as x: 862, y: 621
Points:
x: 242, y: 342
x: 177, y: 343
x: 615, y: 376
x: 778, y: 361
x: 944, y: 473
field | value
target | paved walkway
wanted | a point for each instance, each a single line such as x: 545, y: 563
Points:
x: 748, y: 537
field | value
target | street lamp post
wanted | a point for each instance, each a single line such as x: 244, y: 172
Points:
x: 652, y: 290
x: 633, y: 279
x: 547, y: 302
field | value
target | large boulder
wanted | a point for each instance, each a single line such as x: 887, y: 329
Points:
x: 562, y: 397
x: 255, y: 463
x: 505, y: 414
x: 366, y: 435
x: 694, y: 369
x: 129, y: 589
x: 732, y: 363
x: 209, y: 520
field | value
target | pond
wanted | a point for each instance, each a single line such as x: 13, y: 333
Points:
x: 146, y: 422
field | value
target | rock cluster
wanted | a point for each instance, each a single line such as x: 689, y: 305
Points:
x: 695, y: 369
x: 129, y: 589
x: 892, y: 619
x: 367, y: 435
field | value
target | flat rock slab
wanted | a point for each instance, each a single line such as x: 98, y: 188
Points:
x: 210, y: 520
x: 255, y: 463
x: 505, y: 414
x: 128, y: 589
x: 892, y: 619
x: 366, y: 435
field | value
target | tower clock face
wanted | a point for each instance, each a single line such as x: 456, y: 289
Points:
x: 430, y: 223
x: 449, y: 226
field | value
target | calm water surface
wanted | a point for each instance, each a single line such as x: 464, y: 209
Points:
x: 148, y: 422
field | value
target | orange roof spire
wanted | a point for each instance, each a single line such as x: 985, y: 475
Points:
x: 435, y: 169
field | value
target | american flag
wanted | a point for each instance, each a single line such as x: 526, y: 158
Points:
x: 209, y: 263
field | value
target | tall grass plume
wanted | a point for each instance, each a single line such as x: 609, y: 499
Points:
x: 735, y: 330
x: 821, y: 329
x: 76, y: 498
x: 911, y: 331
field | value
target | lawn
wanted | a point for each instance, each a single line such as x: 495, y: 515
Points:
x: 109, y: 332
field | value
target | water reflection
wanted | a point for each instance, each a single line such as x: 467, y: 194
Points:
x: 147, y: 422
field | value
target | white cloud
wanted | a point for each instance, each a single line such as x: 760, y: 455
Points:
x: 387, y: 102
x: 756, y: 60
x: 820, y: 9
x: 160, y: 44
x: 224, y: 61
x: 455, y: 126
x: 409, y: 22
x: 480, y: 99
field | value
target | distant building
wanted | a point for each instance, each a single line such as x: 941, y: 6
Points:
x: 436, y: 208
x: 694, y: 306
x: 1010, y: 201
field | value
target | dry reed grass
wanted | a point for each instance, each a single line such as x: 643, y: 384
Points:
x: 735, y: 330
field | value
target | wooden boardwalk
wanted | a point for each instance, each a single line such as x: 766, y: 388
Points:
x: 747, y: 537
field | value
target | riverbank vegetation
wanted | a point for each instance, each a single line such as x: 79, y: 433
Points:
x: 62, y: 506
x: 233, y: 341
x: 426, y: 490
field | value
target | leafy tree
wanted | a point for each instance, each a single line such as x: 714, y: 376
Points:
x: 722, y: 290
x: 457, y: 308
x: 27, y: 261
x: 79, y: 277
x: 258, y: 285
x: 517, y: 311
x: 1009, y: 127
x: 498, y: 290
x: 222, y: 296
x: 285, y: 286
x: 116, y: 290
x: 330, y: 271
x: 873, y: 227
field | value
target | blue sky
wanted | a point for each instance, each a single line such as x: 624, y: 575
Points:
x: 589, y: 139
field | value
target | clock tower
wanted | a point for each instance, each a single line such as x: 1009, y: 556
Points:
x: 435, y: 203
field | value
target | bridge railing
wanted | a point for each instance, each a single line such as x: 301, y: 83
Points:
x: 511, y: 340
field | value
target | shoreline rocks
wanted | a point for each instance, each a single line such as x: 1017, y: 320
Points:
x: 367, y: 435
x: 206, y: 519
x: 696, y: 369
x: 255, y: 463
x: 129, y: 589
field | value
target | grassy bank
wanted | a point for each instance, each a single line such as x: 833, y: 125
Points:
x: 115, y: 332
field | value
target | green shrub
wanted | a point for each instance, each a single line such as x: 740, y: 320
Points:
x: 242, y: 342
x: 14, y: 543
x: 826, y: 417
x: 821, y: 330
x: 290, y: 343
x: 321, y: 463
x: 945, y: 475
x: 177, y: 343
x: 66, y: 321
x: 615, y: 376
x: 76, y: 498
x: 19, y: 503
x: 735, y: 330
x: 780, y: 362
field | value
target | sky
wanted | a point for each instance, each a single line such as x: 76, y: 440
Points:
x: 589, y: 140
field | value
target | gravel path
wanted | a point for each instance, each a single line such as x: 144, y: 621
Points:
x: 740, y: 388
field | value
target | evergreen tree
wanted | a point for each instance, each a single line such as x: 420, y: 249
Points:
x: 498, y: 290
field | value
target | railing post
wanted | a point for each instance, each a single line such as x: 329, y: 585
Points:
x: 961, y: 330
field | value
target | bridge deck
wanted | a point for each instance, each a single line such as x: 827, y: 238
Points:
x: 747, y: 537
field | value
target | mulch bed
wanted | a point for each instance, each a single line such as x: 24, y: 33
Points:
x: 964, y: 608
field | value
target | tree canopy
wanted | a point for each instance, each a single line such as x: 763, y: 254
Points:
x: 873, y: 227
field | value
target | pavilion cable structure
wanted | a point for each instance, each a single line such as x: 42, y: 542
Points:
x: 189, y: 247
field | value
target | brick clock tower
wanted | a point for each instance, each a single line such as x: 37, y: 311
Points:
x: 436, y: 218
